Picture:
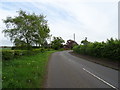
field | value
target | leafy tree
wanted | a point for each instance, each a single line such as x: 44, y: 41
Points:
x: 57, y: 43
x: 20, y: 44
x: 30, y: 29
x: 84, y: 42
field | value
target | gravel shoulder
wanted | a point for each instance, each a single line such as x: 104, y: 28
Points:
x: 102, y: 61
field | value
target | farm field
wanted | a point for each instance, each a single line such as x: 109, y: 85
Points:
x: 5, y: 49
x: 25, y: 72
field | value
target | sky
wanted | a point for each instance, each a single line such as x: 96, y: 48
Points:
x: 95, y: 19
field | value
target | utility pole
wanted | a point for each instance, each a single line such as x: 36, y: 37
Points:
x: 50, y: 40
x: 74, y: 36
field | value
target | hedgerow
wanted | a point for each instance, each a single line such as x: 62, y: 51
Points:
x: 10, y: 54
x: 109, y: 49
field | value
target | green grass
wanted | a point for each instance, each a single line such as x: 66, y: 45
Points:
x: 25, y: 72
x: 5, y: 49
x: 0, y: 72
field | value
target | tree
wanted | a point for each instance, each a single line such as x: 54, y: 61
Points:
x: 20, y: 44
x: 57, y: 43
x: 85, y: 42
x: 30, y: 29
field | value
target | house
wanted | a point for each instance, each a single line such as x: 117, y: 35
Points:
x: 70, y: 44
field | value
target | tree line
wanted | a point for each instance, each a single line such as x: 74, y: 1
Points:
x: 30, y: 30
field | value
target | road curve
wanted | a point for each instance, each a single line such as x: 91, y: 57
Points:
x: 68, y: 71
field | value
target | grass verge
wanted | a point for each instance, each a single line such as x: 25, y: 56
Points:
x: 25, y: 72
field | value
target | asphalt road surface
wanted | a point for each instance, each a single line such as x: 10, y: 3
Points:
x: 68, y: 71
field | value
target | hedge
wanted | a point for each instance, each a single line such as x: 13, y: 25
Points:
x: 109, y: 49
x: 11, y: 54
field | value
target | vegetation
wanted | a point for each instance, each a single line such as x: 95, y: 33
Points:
x: 57, y: 43
x: 24, y: 65
x: 109, y: 49
x: 85, y: 42
x: 2, y: 49
x: 11, y: 54
x: 25, y: 72
x: 26, y: 30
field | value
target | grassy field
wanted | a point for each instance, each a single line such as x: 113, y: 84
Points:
x: 25, y: 72
x: 5, y: 49
x: 0, y: 72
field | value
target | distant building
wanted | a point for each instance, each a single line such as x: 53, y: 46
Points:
x: 70, y: 44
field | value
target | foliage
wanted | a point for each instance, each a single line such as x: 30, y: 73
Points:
x: 5, y: 49
x: 57, y: 43
x: 84, y: 42
x: 7, y: 55
x: 11, y: 54
x: 25, y: 72
x: 26, y: 30
x: 109, y: 49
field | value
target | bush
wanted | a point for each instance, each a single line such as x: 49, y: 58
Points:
x: 75, y: 49
x: 7, y: 55
x: 110, y: 49
x: 10, y: 54
x: 42, y: 50
x: 61, y: 49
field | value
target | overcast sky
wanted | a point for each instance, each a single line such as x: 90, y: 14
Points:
x: 95, y: 19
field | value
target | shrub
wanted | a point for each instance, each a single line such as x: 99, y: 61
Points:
x: 10, y: 54
x: 89, y: 49
x: 110, y: 49
x: 42, y: 50
x: 75, y: 49
x: 61, y: 49
x: 7, y: 55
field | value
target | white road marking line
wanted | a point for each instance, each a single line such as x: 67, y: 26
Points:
x: 100, y: 79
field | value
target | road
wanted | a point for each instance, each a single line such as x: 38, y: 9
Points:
x: 68, y: 71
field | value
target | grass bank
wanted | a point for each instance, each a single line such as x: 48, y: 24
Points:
x: 25, y: 72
